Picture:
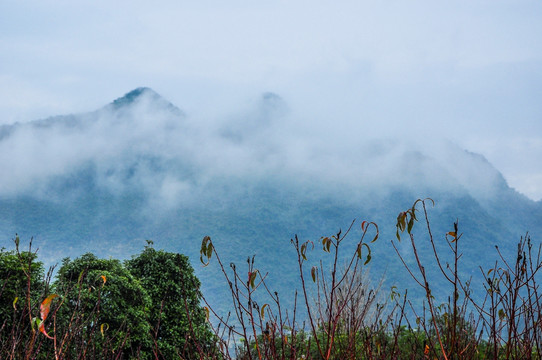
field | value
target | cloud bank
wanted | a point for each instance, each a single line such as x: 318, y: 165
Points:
x: 142, y: 143
x: 467, y: 71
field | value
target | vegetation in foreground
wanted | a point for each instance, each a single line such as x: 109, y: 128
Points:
x: 150, y: 306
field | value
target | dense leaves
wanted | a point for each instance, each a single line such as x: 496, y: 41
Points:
x: 149, y: 307
x: 146, y: 308
x: 121, y: 303
x: 174, y: 315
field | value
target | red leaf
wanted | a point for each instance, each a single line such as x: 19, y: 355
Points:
x: 41, y: 328
x: 45, y: 306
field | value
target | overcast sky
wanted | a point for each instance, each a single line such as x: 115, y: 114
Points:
x: 469, y: 71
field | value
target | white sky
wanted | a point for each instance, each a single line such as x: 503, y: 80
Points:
x: 469, y: 71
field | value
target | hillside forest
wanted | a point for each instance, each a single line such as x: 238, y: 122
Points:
x: 151, y: 307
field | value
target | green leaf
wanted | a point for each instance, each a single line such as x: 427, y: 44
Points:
x: 410, y: 224
x: 376, y: 236
x: 206, y: 250
x: 368, y: 259
x: 81, y: 274
x: 252, y: 278
x: 35, y: 322
x: 203, y: 262
x: 401, y: 221
x: 326, y: 243
x: 303, y: 250
x: 394, y: 293
x: 209, y: 250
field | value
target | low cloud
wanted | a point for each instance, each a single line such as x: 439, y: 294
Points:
x: 148, y: 145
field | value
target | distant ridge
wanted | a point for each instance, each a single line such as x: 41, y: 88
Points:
x: 137, y: 168
x: 140, y: 93
x: 132, y: 96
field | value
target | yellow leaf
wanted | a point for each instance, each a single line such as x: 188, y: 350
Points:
x: 104, y: 279
x: 103, y: 328
x: 262, y: 311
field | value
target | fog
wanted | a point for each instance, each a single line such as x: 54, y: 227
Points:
x: 418, y: 74
x: 174, y: 158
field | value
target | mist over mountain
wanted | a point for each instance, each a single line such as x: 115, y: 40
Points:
x: 140, y: 168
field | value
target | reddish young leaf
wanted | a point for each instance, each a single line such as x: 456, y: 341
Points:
x: 41, y: 328
x: 45, y: 306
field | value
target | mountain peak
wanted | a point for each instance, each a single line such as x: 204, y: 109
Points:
x: 134, y: 95
x: 139, y: 93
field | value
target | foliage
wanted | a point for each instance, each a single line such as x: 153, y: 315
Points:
x: 102, y: 296
x: 504, y: 325
x: 149, y: 306
x: 175, y: 314
x: 21, y: 285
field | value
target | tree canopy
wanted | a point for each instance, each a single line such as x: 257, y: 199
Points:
x: 146, y: 307
x: 174, y: 315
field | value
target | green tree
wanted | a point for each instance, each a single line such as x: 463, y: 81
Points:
x: 178, y: 321
x: 104, y: 309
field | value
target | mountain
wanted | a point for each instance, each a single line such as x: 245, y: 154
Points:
x: 140, y: 168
